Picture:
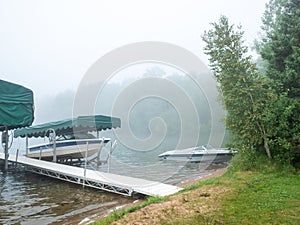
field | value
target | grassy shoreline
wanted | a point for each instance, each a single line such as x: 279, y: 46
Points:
x: 234, y: 198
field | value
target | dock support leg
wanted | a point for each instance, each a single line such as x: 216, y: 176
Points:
x: 99, y: 152
x: 6, y: 150
x: 85, y: 163
x: 17, y: 155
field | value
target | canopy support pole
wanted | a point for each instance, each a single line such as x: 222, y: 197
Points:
x: 52, y: 135
x: 54, y: 150
x: 26, y: 145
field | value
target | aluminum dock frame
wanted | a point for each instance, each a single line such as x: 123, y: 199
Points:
x: 86, y: 177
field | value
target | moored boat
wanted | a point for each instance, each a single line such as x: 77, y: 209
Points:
x: 68, y: 147
x: 68, y: 139
x: 204, y: 153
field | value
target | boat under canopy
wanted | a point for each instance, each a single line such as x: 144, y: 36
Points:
x: 68, y: 139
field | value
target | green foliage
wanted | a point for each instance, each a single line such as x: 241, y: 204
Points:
x: 281, y: 131
x: 246, y: 93
x: 263, y: 107
x: 254, y: 160
x: 280, y: 48
x: 280, y: 45
x: 248, y: 160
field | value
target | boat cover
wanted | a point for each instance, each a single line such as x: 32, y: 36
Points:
x: 16, y: 106
x: 68, y: 126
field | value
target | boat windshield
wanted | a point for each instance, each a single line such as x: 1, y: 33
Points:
x: 75, y: 136
x: 208, y: 146
x: 203, y: 147
x: 200, y: 148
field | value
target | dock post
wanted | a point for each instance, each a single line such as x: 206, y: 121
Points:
x: 54, y: 150
x: 6, y: 149
x: 40, y: 157
x: 99, y: 152
x: 108, y: 157
x: 85, y: 163
x: 17, y: 155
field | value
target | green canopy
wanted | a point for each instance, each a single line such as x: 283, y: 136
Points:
x: 69, y: 126
x: 16, y: 106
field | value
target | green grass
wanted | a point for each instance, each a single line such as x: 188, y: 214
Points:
x: 261, y: 198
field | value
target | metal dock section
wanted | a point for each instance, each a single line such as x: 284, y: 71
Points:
x: 105, y: 181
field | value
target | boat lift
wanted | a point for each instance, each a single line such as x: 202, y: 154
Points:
x: 69, y: 160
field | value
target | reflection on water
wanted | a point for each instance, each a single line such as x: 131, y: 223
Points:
x: 27, y: 198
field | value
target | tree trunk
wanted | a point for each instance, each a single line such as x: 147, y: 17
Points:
x: 267, y: 148
x: 266, y: 145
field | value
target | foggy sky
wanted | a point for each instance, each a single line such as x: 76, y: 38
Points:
x: 48, y: 46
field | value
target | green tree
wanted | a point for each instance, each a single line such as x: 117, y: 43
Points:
x: 280, y: 48
x: 246, y: 94
x: 280, y: 45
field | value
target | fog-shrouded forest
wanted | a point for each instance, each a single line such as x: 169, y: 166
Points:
x: 149, y: 118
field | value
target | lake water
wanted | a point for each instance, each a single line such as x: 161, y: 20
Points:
x: 27, y: 198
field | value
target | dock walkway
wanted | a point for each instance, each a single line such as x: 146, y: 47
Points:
x: 105, y: 181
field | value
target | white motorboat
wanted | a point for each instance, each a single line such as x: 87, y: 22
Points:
x: 70, y: 138
x: 204, y: 153
x: 68, y: 146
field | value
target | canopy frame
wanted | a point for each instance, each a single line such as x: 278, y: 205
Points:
x: 69, y: 126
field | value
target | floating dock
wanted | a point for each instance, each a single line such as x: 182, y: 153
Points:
x: 86, y: 177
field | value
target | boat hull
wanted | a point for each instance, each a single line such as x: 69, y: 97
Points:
x: 190, y: 155
x: 219, y: 158
x: 67, y: 149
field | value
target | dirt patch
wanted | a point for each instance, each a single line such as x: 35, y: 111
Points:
x: 189, y: 204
